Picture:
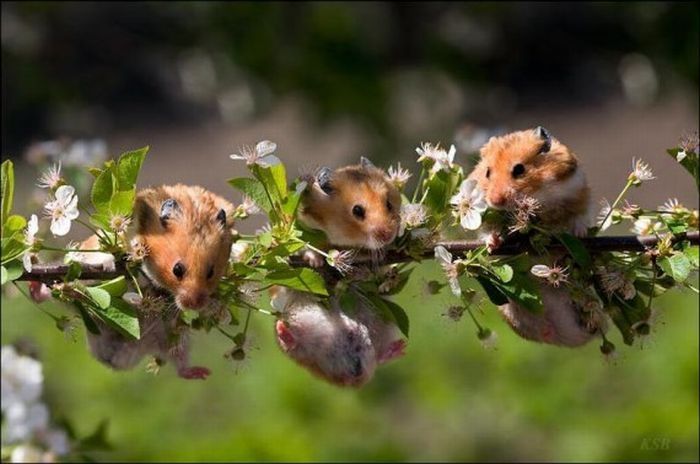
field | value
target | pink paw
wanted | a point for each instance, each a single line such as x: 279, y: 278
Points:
x: 194, y: 372
x: 396, y: 349
x: 313, y: 258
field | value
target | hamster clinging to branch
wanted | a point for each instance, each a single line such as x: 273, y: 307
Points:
x: 532, y: 163
x: 356, y: 206
x: 187, y: 231
x: 344, y: 349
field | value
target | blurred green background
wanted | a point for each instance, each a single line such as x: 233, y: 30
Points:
x: 330, y: 82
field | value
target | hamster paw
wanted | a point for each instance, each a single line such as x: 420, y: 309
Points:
x: 493, y: 241
x: 194, y: 372
x: 313, y: 258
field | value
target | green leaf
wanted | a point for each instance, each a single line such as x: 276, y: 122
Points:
x: 189, y: 315
x: 90, y: 325
x: 115, y: 287
x: 102, y: 190
x: 438, y: 187
x: 348, y: 302
x: 303, y: 279
x: 14, y: 270
x: 122, y: 202
x: 576, y: 248
x: 275, y: 179
x: 503, y: 271
x: 7, y: 189
x: 677, y: 266
x: 128, y: 168
x: 692, y: 254
x: 122, y: 317
x: 12, y: 248
x: 495, y: 295
x: 522, y: 290
x: 291, y: 203
x: 621, y: 322
x: 95, y: 172
x: 691, y: 163
x: 254, y: 189
x: 400, y: 316
x: 100, y: 296
x: 13, y: 224
x: 74, y: 271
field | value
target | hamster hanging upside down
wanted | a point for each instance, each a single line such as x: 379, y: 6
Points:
x: 187, y: 232
x: 533, y: 163
x: 355, y: 206
x: 344, y: 349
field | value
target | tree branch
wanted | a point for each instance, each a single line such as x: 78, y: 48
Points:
x: 51, y: 273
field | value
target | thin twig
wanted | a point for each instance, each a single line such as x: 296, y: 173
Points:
x: 50, y: 273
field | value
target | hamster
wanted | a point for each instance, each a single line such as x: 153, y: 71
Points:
x: 344, y: 349
x: 187, y: 231
x: 533, y: 163
x: 356, y: 206
x: 162, y: 335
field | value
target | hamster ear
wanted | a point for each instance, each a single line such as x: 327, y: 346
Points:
x: 221, y: 217
x: 167, y: 209
x: 543, y: 134
x: 365, y: 163
x: 323, y: 177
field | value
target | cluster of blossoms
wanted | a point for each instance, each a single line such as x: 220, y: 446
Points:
x: 26, y: 428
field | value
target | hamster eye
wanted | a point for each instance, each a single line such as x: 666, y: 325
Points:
x: 389, y: 206
x: 358, y: 211
x: 518, y: 170
x: 488, y: 172
x: 179, y: 270
x: 210, y: 272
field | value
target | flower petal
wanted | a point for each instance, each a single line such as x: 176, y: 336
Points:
x: 471, y: 220
x: 456, y: 289
x: 32, y: 226
x: 27, y: 261
x: 265, y: 148
x: 60, y: 226
x: 540, y: 270
x: 442, y: 254
x: 64, y: 193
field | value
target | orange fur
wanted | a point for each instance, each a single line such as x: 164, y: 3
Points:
x: 192, y: 236
x: 544, y: 173
x: 367, y: 187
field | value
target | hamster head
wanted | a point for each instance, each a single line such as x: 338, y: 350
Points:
x: 187, y: 231
x: 356, y: 206
x: 532, y: 163
x: 329, y: 344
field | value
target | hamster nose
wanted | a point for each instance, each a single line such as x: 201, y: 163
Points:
x: 497, y: 199
x: 194, y: 300
x: 384, y: 234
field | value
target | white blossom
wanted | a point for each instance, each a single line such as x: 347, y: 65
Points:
x: 51, y: 178
x: 238, y: 251
x: 645, y: 226
x: 57, y: 441
x: 554, y: 275
x: 119, y: 223
x: 412, y: 215
x: 605, y: 216
x: 30, y: 240
x: 26, y: 453
x: 441, y: 159
x: 398, y: 176
x: 469, y: 204
x: 680, y: 156
x: 22, y: 378
x: 94, y: 258
x: 444, y: 257
x: 22, y: 420
x: 260, y: 155
x: 62, y: 210
x: 641, y: 172
x: 248, y: 206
